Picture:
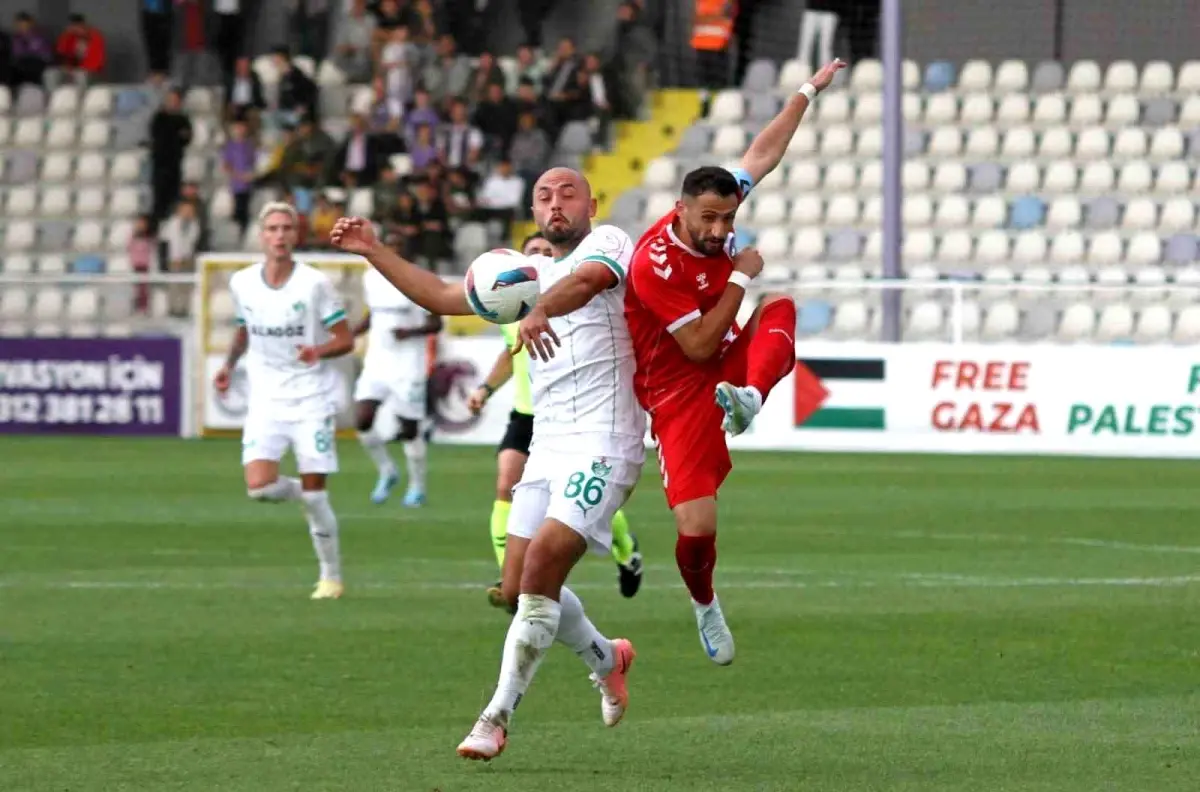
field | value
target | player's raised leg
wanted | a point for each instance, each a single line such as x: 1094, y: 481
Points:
x: 365, y: 411
x: 770, y: 356
x: 696, y: 557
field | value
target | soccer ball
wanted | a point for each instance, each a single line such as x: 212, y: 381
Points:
x: 502, y: 286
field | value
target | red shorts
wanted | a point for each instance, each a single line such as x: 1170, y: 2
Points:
x: 692, y: 454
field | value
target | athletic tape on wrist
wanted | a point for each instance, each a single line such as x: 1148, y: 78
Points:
x: 740, y: 279
x: 809, y: 90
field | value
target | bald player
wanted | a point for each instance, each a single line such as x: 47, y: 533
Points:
x: 587, y: 450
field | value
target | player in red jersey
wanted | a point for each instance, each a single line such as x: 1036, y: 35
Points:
x: 699, y: 374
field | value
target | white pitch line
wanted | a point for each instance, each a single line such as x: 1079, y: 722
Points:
x: 1103, y: 544
x: 948, y: 581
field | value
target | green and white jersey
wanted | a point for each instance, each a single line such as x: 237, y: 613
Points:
x: 587, y: 387
x: 279, y: 322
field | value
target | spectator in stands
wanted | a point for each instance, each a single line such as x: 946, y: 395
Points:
x: 433, y: 243
x: 399, y: 62
x: 330, y: 205
x: 561, y: 85
x: 530, y: 150
x: 387, y: 189
x: 31, y: 53
x: 470, y: 22
x: 402, y: 224
x: 528, y: 102
x: 460, y: 145
x: 244, y: 93
x: 635, y: 50
x: 142, y: 250
x: 229, y: 21
x: 533, y: 15
x: 448, y: 75
x: 308, y: 23
x: 458, y: 195
x: 390, y: 15
x: 297, y: 92
x: 307, y: 159
x: 387, y: 112
x: 170, y: 135
x: 487, y: 72
x: 423, y: 150
x: 595, y: 102
x: 496, y: 117
x: 353, y: 49
x: 193, y: 52
x: 531, y: 67
x: 238, y: 158
x: 357, y: 160
x: 157, y: 32
x: 81, y: 50
x: 502, y: 194
x: 181, y: 234
x: 190, y: 193
x: 712, y: 36
x: 422, y: 113
x: 5, y: 58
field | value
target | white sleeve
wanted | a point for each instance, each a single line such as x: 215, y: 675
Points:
x: 329, y: 303
x: 610, y: 246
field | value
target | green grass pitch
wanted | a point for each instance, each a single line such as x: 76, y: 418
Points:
x: 904, y: 623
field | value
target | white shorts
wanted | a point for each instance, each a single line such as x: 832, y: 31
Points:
x: 580, y: 491
x: 403, y: 395
x: 312, y: 442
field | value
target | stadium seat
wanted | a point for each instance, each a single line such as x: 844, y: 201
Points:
x: 870, y: 177
x: 1091, y: 144
x: 97, y: 101
x: 1115, y: 323
x: 939, y: 76
x: 982, y: 142
x: 977, y: 109
x: 926, y: 322
x: 945, y: 141
x: 1178, y: 214
x: 990, y: 211
x: 1019, y: 142
x: 1187, y: 326
x: 918, y: 211
x: 804, y: 176
x: 1121, y: 111
x: 869, y: 143
x: 976, y: 75
x: 1106, y: 248
x: 728, y: 107
x: 1086, y: 110
x: 1153, y: 325
x: 918, y: 246
x: 1064, y: 212
x: 850, y: 319
x: 953, y: 211
x: 1027, y: 212
x: 837, y: 141
x: 1013, y: 110
x: 868, y: 109
x: 813, y: 317
x: 1167, y: 144
x: 1121, y: 75
x: 807, y: 209
x: 1130, y: 144
x: 808, y: 244
x: 1061, y: 177
x: 1112, y: 284
x: 1000, y: 322
x: 1083, y: 77
x: 760, y: 77
x: 1067, y: 248
x: 843, y: 210
x: 1140, y: 214
x: 985, y: 178
x: 1189, y: 112
x: 1098, y: 177
x: 1078, y: 323
x: 1012, y: 76
x: 941, y: 109
x: 840, y: 177
x: 1048, y: 76
x: 1050, y: 110
x: 1144, y: 248
x: 1055, y: 142
x: 1182, y: 249
x: 1172, y: 178
x: 56, y: 168
x: 991, y: 248
x: 772, y: 243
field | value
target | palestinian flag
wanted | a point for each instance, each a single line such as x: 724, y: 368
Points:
x: 839, y: 393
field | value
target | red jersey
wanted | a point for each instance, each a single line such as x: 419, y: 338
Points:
x: 670, y: 285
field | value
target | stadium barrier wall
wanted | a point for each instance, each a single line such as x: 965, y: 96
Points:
x: 923, y: 398
x: 93, y: 386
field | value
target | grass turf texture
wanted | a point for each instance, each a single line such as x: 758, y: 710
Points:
x: 903, y: 623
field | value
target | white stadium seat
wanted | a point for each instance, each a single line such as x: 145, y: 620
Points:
x: 1122, y: 75
x: 1153, y: 325
x: 1078, y: 322
x: 1115, y: 323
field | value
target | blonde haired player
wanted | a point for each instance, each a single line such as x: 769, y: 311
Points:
x: 290, y: 321
x: 588, y: 440
x: 513, y: 452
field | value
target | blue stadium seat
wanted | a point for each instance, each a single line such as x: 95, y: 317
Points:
x: 1027, y: 212
x: 813, y: 317
x: 939, y: 76
x: 88, y: 265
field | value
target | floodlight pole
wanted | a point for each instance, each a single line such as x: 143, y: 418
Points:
x: 893, y: 161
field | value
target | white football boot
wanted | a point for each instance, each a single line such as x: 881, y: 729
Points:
x: 714, y: 632
x: 740, y: 406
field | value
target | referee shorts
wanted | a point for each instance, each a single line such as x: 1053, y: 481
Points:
x: 519, y: 433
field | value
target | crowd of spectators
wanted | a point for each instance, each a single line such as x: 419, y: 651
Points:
x: 453, y: 134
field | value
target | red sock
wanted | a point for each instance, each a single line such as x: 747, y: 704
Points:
x: 772, y: 352
x: 696, y: 556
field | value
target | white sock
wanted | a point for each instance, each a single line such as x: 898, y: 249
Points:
x: 376, y: 448
x: 414, y: 454
x: 529, y: 637
x: 577, y: 632
x: 323, y: 526
x: 758, y: 397
x: 280, y: 490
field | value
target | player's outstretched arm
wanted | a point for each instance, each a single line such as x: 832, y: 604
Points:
x: 570, y: 294
x: 767, y: 149
x: 241, y: 342
x: 356, y: 235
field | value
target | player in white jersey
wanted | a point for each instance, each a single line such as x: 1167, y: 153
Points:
x: 290, y: 320
x: 395, y: 374
x: 587, y: 448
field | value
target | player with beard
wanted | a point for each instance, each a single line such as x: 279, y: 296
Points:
x: 699, y: 374
x: 588, y: 439
x: 514, y: 452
